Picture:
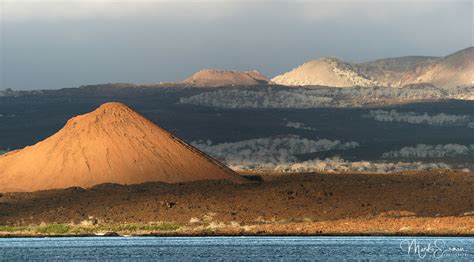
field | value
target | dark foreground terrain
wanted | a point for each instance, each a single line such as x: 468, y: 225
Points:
x: 47, y: 111
x: 436, y: 202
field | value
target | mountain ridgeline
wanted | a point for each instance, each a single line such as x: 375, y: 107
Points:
x: 444, y: 72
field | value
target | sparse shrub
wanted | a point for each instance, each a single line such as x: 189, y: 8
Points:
x: 216, y: 225
x: 234, y: 224
x: 194, y: 220
x: 138, y: 227
x: 86, y: 223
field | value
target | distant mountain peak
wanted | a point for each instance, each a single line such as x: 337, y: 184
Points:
x: 324, y: 72
x: 218, y: 77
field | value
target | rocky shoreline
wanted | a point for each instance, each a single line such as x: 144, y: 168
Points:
x: 380, y: 226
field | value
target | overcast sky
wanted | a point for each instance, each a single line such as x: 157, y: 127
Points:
x: 55, y: 44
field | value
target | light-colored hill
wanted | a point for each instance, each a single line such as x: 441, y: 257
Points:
x: 112, y: 144
x: 216, y: 78
x: 453, y: 70
x: 324, y: 72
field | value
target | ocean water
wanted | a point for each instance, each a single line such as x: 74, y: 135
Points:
x: 239, y: 248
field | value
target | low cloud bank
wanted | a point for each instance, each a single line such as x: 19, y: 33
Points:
x: 416, y: 118
x: 313, y: 97
x: 235, y: 98
x: 337, y: 165
x: 7, y: 116
x: 253, y: 152
x: 431, y: 151
x: 278, y: 155
x: 298, y: 125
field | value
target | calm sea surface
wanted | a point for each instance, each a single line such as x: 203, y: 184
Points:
x: 239, y: 248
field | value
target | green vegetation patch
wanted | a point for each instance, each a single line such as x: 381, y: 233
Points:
x: 61, y: 229
x: 53, y: 229
x: 12, y: 229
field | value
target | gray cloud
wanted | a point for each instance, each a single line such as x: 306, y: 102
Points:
x: 58, y: 44
x: 299, y: 125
